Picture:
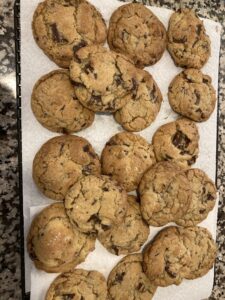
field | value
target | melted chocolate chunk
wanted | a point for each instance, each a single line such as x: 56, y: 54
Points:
x: 56, y: 35
x: 169, y: 272
x: 198, y: 29
x: 180, y: 41
x: 192, y: 160
x: 95, y: 218
x: 180, y: 140
x: 118, y: 79
x: 80, y: 45
x: 105, y: 227
x: 141, y: 287
x: 205, y: 80
x: 198, y: 97
x: 88, y: 69
x: 135, y: 85
x: 119, y: 277
x: 209, y: 197
x: 153, y: 95
x: 86, y: 148
x: 105, y: 189
x: 201, y: 211
x: 87, y: 169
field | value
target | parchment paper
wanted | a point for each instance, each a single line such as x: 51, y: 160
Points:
x: 34, y: 64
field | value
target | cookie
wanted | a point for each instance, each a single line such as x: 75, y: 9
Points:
x: 102, y: 78
x: 62, y: 27
x: 143, y: 105
x: 55, y: 105
x: 203, y: 250
x: 78, y: 284
x: 188, y: 43
x: 166, y: 259
x: 203, y: 198
x: 54, y: 244
x: 130, y: 235
x: 128, y: 281
x: 94, y: 204
x: 165, y: 194
x: 136, y: 32
x: 192, y: 95
x: 61, y: 162
x: 126, y: 157
x: 177, y: 141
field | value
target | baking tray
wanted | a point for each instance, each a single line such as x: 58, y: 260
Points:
x: 17, y: 36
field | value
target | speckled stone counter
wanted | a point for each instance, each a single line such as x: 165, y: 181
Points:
x: 10, y: 218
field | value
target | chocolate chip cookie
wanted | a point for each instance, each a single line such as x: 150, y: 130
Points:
x: 202, y: 249
x: 188, y: 43
x: 95, y: 204
x: 192, y: 95
x: 165, y: 194
x: 55, y: 105
x: 167, y: 259
x: 78, y: 284
x: 128, y: 281
x: 126, y: 157
x: 203, y: 198
x: 177, y: 141
x: 62, y: 27
x: 60, y: 162
x: 136, y: 32
x: 54, y: 244
x: 102, y: 78
x: 130, y: 235
x: 143, y: 105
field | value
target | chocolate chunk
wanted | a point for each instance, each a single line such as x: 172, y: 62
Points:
x: 118, y: 79
x: 105, y: 227
x: 180, y: 41
x: 198, y: 97
x: 198, y: 29
x: 180, y: 140
x: 169, y: 272
x: 210, y: 197
x: 186, y: 78
x: 119, y: 277
x: 201, y: 211
x: 167, y: 157
x: 87, y: 169
x: 96, y: 98
x: 116, y: 251
x: 86, y: 148
x: 141, y: 287
x: 135, y: 85
x: 105, y: 189
x: 81, y: 44
x: 192, y: 160
x: 95, y: 218
x: 205, y: 80
x: 152, y: 94
x: 88, y: 69
x: 78, y: 84
x: 56, y: 35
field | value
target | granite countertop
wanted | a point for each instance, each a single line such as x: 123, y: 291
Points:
x: 10, y: 218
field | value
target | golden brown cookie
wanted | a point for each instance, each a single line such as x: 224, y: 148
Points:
x: 126, y: 157
x: 102, y: 78
x: 130, y: 235
x: 203, y: 198
x: 177, y: 141
x: 78, y: 284
x: 55, y: 105
x: 61, y: 27
x: 165, y: 193
x: 95, y: 204
x: 128, y: 281
x: 188, y: 43
x: 192, y: 95
x: 136, y: 32
x: 54, y: 244
x: 167, y: 259
x: 143, y: 105
x: 61, y: 162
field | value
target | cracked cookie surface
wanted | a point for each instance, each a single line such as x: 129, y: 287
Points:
x: 78, y: 285
x: 54, y: 244
x: 192, y: 95
x: 55, y: 105
x: 102, y: 78
x: 94, y: 204
x: 61, y: 162
x: 188, y: 43
x: 202, y: 249
x: 136, y: 32
x: 167, y: 259
x: 126, y: 157
x: 61, y: 27
x: 165, y: 193
x: 143, y: 105
x: 177, y: 141
x: 128, y: 281
x: 130, y: 235
x: 203, y: 198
